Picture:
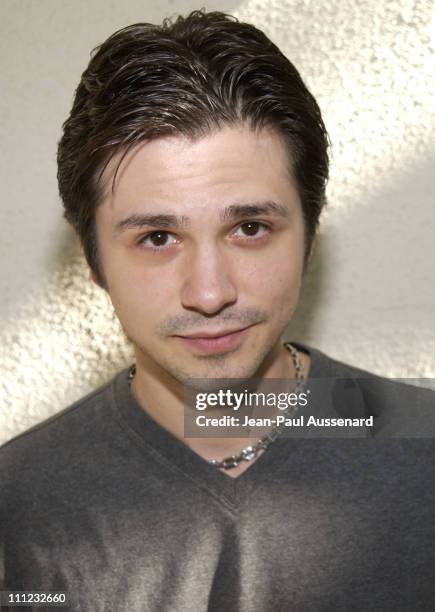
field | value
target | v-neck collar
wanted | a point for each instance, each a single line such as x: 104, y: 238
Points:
x: 178, y: 457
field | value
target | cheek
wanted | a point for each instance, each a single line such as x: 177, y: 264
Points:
x: 274, y: 283
x: 142, y: 297
x: 277, y: 277
x: 279, y: 289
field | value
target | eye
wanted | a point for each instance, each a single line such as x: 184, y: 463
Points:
x: 252, y: 229
x: 158, y: 240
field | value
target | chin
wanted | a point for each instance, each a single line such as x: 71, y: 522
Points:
x: 222, y: 371
x: 211, y: 384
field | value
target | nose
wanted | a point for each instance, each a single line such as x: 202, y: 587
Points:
x: 208, y: 284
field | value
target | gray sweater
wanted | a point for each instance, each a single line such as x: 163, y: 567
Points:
x: 102, y: 503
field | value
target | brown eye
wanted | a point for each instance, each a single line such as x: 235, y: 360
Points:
x: 158, y: 238
x: 251, y: 228
x: 158, y: 241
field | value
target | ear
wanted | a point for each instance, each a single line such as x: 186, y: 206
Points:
x: 313, y: 247
x: 100, y: 284
x: 310, y: 254
x: 93, y: 278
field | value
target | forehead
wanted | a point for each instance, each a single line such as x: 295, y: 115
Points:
x: 233, y: 162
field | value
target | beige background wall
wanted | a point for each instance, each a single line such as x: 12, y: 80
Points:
x: 370, y: 295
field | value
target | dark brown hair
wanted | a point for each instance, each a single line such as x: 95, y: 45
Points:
x: 188, y: 76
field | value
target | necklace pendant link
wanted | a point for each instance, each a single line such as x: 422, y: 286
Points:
x: 229, y: 462
x: 264, y: 443
x: 248, y: 453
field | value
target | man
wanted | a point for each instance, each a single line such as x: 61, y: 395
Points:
x: 193, y: 167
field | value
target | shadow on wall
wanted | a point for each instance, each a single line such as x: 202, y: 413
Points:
x: 372, y: 270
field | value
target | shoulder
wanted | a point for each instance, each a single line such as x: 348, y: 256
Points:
x: 46, y: 429
x: 400, y: 407
x: 324, y: 366
x: 53, y: 444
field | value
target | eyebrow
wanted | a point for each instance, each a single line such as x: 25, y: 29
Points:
x: 237, y: 211
x: 230, y: 213
x: 137, y: 221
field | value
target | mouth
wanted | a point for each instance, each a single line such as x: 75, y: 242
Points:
x: 215, y: 342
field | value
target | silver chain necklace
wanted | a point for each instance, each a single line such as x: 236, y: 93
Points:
x: 250, y: 452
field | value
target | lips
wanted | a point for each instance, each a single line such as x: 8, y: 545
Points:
x: 208, y: 334
x: 214, y: 343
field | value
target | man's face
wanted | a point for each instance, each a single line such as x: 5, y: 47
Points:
x: 202, y: 238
